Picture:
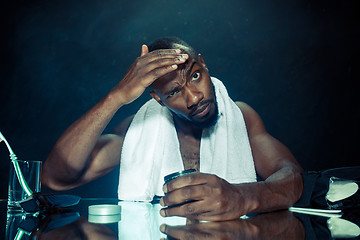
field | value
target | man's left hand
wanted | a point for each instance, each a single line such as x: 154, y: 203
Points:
x: 202, y: 196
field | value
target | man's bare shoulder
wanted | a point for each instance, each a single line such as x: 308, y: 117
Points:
x: 123, y: 126
x: 246, y: 110
x: 252, y: 119
x: 243, y: 106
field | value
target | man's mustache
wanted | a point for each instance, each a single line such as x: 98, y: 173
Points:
x: 201, y: 104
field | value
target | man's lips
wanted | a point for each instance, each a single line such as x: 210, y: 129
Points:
x: 202, y: 110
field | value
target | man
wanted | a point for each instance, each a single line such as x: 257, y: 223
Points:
x: 181, y: 85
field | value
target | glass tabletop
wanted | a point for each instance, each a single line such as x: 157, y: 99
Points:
x: 138, y: 220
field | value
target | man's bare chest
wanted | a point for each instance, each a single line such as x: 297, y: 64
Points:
x: 190, y: 152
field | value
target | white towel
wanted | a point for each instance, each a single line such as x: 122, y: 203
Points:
x: 151, y: 149
x: 141, y: 220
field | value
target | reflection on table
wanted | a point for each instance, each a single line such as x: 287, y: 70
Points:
x: 143, y: 221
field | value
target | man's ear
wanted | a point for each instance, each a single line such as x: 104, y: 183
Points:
x: 156, y: 97
x: 202, y: 61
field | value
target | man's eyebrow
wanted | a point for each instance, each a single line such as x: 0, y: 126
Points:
x: 188, y: 71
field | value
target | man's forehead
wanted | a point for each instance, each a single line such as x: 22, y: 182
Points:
x: 172, y: 79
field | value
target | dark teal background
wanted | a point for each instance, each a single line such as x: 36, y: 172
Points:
x: 296, y: 62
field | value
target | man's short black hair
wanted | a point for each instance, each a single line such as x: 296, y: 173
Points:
x: 170, y: 43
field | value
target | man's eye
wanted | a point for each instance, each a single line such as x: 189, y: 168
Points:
x: 173, y: 93
x: 195, y: 76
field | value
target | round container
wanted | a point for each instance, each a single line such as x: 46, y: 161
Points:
x: 175, y: 175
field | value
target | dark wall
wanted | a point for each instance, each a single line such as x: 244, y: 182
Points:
x: 295, y: 62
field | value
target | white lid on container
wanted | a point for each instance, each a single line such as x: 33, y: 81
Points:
x: 105, y: 209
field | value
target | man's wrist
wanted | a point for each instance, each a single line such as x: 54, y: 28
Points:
x: 115, y: 98
x: 248, y: 199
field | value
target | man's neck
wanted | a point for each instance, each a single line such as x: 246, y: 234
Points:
x: 186, y: 128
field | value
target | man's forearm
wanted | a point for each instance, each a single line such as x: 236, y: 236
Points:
x: 279, y: 191
x: 72, y: 155
x: 69, y: 157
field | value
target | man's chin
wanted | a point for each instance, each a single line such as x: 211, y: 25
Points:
x: 208, y: 123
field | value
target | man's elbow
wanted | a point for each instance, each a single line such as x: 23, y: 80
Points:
x: 294, y: 181
x: 49, y: 180
x: 298, y: 185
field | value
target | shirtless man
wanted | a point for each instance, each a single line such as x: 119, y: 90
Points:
x: 83, y: 154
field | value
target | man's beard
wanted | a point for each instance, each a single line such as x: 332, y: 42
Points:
x: 210, y: 121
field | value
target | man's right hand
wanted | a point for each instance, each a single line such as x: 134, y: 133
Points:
x: 147, y: 68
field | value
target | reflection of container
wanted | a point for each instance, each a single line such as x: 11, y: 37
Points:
x: 104, y: 219
x: 172, y: 176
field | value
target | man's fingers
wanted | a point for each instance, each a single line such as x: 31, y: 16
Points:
x: 185, y: 232
x: 188, y: 180
x: 158, y: 65
x: 192, y: 210
x: 144, y: 50
x: 185, y: 194
x: 163, y: 53
x: 165, y: 62
x: 177, y: 232
x: 147, y: 56
x: 199, y: 210
x: 178, y: 58
x: 155, y: 67
x: 159, y: 72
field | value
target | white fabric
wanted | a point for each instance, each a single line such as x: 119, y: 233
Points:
x: 342, y: 228
x: 341, y: 189
x: 151, y: 149
x: 140, y: 220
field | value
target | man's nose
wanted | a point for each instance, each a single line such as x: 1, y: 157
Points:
x: 193, y: 97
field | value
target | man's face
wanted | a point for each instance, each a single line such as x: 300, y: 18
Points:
x: 189, y: 93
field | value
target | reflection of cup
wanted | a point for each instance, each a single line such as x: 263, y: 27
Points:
x: 31, y: 171
x: 12, y: 223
